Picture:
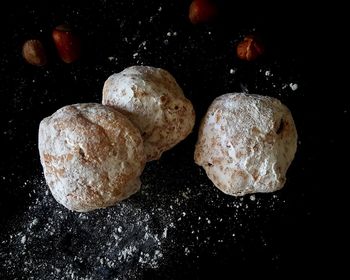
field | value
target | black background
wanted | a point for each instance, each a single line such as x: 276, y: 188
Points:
x: 301, y: 232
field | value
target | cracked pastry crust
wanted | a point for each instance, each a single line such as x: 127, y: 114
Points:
x: 151, y: 98
x: 92, y: 156
x: 246, y: 143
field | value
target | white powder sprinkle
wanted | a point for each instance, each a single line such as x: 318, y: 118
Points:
x: 33, y: 223
x: 232, y: 71
x: 124, y: 237
x: 165, y: 233
x: 23, y: 239
x: 185, y: 195
x: 293, y: 86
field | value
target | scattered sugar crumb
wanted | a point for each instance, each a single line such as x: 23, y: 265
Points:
x: 185, y: 195
x: 293, y: 86
x: 23, y: 239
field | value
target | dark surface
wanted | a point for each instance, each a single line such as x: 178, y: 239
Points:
x: 285, y: 232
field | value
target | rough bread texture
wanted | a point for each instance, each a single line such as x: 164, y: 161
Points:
x: 155, y: 103
x: 246, y: 143
x: 92, y: 156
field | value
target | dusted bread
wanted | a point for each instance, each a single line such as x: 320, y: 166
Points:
x: 92, y: 156
x: 154, y: 102
x: 246, y: 143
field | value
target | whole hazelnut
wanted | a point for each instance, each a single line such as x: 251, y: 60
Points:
x: 67, y: 43
x: 201, y: 11
x: 34, y: 52
x: 250, y: 48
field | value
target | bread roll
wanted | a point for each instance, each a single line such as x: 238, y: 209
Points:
x: 246, y: 143
x: 92, y: 156
x: 154, y: 102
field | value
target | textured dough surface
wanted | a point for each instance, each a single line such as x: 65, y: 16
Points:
x: 92, y: 156
x: 151, y: 98
x: 246, y: 143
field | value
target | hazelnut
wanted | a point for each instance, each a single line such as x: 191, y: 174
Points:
x: 201, y: 11
x: 34, y: 52
x: 250, y: 48
x: 67, y: 43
